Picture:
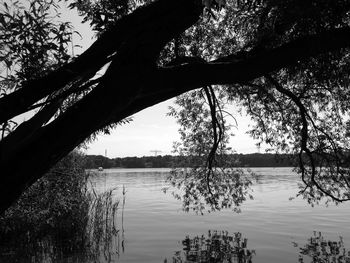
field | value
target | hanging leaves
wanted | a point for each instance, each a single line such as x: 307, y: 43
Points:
x: 32, y: 42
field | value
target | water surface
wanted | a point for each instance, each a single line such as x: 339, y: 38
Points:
x: 275, y: 228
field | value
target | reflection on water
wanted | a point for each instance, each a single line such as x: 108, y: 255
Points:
x: 48, y: 249
x: 152, y: 226
x: 220, y: 247
x: 319, y: 250
x: 216, y: 247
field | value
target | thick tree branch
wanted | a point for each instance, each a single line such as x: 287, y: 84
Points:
x: 94, y: 58
x: 228, y: 72
x: 26, y: 129
x: 127, y: 87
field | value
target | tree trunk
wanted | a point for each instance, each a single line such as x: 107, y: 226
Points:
x: 129, y: 85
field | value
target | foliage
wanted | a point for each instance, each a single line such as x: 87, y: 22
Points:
x: 297, y: 117
x: 59, y: 216
x: 101, y: 14
x: 300, y: 110
x: 207, y: 176
x: 56, y: 202
x: 32, y: 41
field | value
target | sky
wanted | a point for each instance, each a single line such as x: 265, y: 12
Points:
x: 150, y: 129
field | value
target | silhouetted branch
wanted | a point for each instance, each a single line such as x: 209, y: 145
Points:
x: 304, y: 141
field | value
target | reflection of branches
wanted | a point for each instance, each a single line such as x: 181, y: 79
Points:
x: 321, y: 251
x: 305, y: 151
x: 217, y: 246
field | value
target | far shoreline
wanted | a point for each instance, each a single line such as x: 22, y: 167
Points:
x: 169, y: 161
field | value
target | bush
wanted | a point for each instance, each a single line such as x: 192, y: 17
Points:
x: 58, y: 217
x: 54, y: 209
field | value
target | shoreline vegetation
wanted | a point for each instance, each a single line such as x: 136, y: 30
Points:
x: 169, y: 161
x: 61, y: 217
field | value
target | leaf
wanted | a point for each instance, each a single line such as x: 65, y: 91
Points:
x: 2, y: 20
x: 76, y: 32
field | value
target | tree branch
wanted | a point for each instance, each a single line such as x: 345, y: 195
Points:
x: 88, y: 63
x: 25, y: 130
x: 304, y: 139
x: 227, y: 71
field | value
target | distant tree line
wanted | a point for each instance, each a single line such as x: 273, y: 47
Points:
x: 168, y: 161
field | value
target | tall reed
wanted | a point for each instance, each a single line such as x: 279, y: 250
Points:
x: 60, y: 217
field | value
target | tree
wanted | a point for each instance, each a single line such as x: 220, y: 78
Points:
x: 284, y: 61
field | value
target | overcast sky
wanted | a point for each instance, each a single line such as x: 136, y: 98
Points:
x: 150, y: 129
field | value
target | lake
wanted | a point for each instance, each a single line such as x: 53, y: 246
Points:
x: 270, y: 228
